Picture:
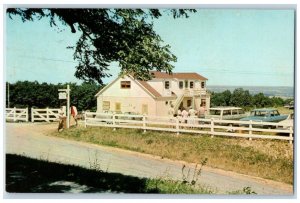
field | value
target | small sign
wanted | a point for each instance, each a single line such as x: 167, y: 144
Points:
x: 62, y: 95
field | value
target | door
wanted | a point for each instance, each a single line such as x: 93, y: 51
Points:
x: 189, y: 103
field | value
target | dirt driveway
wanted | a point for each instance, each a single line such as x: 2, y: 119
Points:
x: 30, y: 140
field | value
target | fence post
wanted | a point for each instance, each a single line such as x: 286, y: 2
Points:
x: 114, y: 121
x: 85, y: 119
x: 291, y: 135
x: 32, y: 116
x: 15, y: 111
x: 177, y: 125
x: 250, y: 130
x: 144, y: 123
x: 212, y: 127
x: 47, y: 114
x: 27, y: 114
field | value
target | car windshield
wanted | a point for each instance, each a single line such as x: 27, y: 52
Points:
x: 259, y: 113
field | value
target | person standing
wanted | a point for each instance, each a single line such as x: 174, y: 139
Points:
x: 202, y: 112
x: 171, y: 111
x: 179, y: 115
x: 192, y: 114
x: 185, y: 115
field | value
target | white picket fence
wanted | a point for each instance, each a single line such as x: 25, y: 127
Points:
x: 16, y: 114
x: 44, y: 114
x: 231, y: 128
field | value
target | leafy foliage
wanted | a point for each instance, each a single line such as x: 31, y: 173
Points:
x: 42, y: 95
x: 108, y: 35
x: 242, y: 98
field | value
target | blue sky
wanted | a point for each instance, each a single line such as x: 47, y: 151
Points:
x: 230, y: 47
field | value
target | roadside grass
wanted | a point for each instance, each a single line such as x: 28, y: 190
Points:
x: 27, y: 175
x: 284, y: 110
x: 270, y: 159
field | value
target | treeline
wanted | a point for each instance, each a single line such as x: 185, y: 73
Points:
x: 242, y: 98
x: 24, y: 94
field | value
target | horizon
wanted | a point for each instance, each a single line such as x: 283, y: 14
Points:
x: 80, y: 82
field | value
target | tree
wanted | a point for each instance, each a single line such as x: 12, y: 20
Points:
x: 260, y: 100
x: 107, y: 35
x: 227, y: 97
x: 241, y: 97
x: 33, y: 94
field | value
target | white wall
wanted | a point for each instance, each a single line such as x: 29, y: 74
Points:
x: 158, y: 85
x: 131, y: 100
x: 128, y: 104
x: 134, y: 91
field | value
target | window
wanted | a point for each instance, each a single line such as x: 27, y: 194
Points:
x: 235, y: 112
x: 125, y: 84
x: 186, y: 84
x: 215, y: 112
x: 118, y: 107
x: 202, y: 84
x: 167, y: 84
x: 226, y: 112
x: 241, y: 111
x: 191, y: 84
x: 105, y: 105
x: 259, y: 113
x: 203, y: 102
x: 180, y: 84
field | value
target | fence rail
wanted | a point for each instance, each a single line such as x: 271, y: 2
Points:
x: 16, y: 114
x: 231, y: 128
x: 46, y: 114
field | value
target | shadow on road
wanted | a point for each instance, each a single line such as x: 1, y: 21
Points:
x: 27, y: 175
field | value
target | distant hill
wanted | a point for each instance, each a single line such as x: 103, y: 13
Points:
x: 278, y: 91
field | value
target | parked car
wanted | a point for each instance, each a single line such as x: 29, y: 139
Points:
x: 265, y: 115
x: 287, y: 122
x: 226, y: 113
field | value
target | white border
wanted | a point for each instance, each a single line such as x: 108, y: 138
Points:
x: 154, y: 3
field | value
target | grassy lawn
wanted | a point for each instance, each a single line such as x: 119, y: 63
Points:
x: 27, y: 175
x: 263, y: 158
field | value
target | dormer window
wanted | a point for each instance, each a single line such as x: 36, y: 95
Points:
x: 180, y: 84
x: 191, y: 84
x: 167, y: 84
x: 202, y: 84
x: 125, y: 84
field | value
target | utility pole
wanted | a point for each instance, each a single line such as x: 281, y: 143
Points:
x: 7, y: 94
x: 68, y: 106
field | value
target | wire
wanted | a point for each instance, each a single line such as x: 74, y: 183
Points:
x: 47, y: 59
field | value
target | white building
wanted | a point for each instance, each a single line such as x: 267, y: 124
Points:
x: 156, y: 96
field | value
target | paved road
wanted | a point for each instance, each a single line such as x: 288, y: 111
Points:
x: 30, y: 139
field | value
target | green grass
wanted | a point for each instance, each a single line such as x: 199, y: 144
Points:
x: 263, y: 158
x: 27, y: 175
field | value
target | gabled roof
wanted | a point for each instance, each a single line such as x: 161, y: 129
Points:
x: 193, y: 76
x: 149, y: 88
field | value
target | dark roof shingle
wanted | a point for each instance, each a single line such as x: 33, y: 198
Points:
x: 149, y: 88
x: 194, y: 76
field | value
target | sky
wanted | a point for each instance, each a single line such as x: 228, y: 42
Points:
x: 236, y: 47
